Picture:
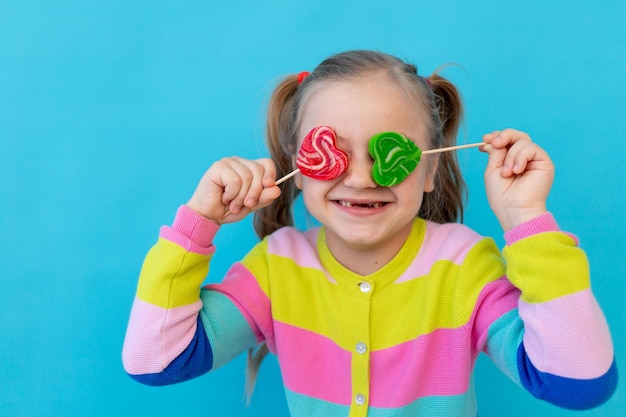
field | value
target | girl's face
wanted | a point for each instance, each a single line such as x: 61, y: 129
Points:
x: 359, y: 215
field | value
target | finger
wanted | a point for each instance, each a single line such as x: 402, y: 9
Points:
x: 512, y: 142
x: 262, y: 194
x: 509, y: 137
x: 268, y: 195
x: 520, y: 149
x: 518, y: 160
x: 530, y: 157
x: 489, y: 137
x: 249, y: 186
x: 486, y: 148
x: 496, y: 159
x: 269, y: 175
x: 229, y: 179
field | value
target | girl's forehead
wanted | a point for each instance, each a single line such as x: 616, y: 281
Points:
x: 362, y: 107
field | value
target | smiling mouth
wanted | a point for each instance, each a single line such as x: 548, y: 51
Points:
x: 351, y: 204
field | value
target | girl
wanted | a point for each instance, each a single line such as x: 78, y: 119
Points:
x: 383, y: 309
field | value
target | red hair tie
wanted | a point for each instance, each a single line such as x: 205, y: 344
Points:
x: 302, y: 76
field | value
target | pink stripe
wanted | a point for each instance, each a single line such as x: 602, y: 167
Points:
x: 496, y: 299
x: 191, y: 231
x: 156, y: 336
x: 443, y: 360
x: 439, y: 363
x: 568, y: 336
x: 183, y: 241
x: 299, y: 247
x: 436, y: 364
x: 440, y: 245
x: 244, y: 291
x: 539, y: 224
x: 313, y: 365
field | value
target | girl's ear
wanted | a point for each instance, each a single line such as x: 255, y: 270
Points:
x: 431, y: 173
x: 297, y: 180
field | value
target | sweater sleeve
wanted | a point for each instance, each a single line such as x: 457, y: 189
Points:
x: 556, y: 344
x: 172, y: 330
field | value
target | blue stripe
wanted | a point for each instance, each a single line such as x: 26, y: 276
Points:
x: 505, y: 336
x: 452, y: 405
x: 570, y: 393
x: 194, y: 361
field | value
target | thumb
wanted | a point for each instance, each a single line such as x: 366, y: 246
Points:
x: 496, y: 159
x: 268, y: 195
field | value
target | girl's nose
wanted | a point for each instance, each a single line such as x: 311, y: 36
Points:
x: 359, y: 173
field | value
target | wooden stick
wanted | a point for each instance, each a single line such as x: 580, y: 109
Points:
x: 450, y: 148
x: 453, y: 148
x: 286, y: 177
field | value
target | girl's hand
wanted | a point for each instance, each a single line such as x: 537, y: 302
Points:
x: 518, y: 177
x: 233, y: 187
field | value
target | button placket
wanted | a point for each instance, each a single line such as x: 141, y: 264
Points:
x: 360, y: 350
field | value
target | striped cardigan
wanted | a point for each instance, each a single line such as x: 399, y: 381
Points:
x: 402, y: 341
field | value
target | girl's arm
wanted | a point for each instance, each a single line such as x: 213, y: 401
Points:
x: 165, y: 341
x: 171, y: 331
x: 556, y: 344
x: 567, y: 355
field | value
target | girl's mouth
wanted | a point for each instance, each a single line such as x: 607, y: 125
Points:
x: 351, y: 204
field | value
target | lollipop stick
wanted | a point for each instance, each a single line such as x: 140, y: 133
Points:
x: 453, y: 148
x: 286, y: 177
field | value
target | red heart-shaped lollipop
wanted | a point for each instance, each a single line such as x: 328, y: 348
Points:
x: 319, y: 157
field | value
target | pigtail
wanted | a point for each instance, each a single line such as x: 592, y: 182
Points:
x: 280, y: 128
x: 280, y: 131
x: 253, y: 363
x: 445, y: 203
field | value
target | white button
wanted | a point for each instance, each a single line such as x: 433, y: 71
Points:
x: 361, y: 348
x: 360, y: 399
x: 365, y: 286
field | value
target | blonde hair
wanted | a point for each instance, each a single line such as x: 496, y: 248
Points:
x: 434, y: 95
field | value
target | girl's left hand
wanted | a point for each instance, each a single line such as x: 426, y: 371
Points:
x: 518, y: 177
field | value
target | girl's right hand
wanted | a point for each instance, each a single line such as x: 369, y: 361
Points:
x: 233, y: 187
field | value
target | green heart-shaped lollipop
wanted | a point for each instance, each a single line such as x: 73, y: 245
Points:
x: 395, y: 157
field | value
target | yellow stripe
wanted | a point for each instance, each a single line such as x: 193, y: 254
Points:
x: 547, y: 266
x: 305, y: 298
x: 171, y: 277
x: 443, y: 299
x: 257, y: 261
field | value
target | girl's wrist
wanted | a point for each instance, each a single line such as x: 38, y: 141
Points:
x: 510, y: 219
x: 194, y: 226
x: 191, y: 205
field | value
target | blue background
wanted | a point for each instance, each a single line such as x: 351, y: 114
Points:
x: 111, y: 111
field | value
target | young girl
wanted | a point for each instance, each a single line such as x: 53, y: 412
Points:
x: 383, y: 309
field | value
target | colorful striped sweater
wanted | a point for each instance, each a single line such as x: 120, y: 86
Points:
x: 402, y: 341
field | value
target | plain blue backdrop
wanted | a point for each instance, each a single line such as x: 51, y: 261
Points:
x: 110, y: 112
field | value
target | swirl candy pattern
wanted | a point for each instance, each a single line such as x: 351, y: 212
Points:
x: 319, y: 157
x: 395, y: 157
